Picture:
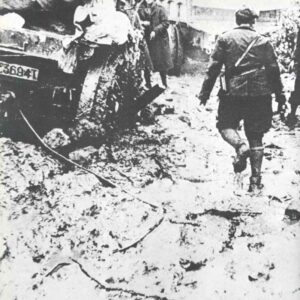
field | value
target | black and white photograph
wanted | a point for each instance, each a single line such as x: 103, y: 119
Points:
x: 149, y: 149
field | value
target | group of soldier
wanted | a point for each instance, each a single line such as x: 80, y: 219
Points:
x: 251, y: 77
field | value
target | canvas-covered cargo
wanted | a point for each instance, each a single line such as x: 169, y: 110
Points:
x: 47, y: 15
x: 15, y: 5
x: 23, y: 5
x: 105, y: 24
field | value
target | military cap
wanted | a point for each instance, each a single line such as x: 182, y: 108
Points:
x: 245, y: 15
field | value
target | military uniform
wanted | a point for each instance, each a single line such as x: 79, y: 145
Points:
x: 159, y: 47
x: 251, y: 76
x: 250, y: 85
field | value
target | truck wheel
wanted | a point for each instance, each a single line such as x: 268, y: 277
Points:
x: 88, y: 93
x: 92, y: 107
x: 107, y: 89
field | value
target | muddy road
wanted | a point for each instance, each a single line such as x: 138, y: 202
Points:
x: 181, y: 226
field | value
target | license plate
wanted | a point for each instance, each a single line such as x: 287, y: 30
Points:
x: 18, y: 71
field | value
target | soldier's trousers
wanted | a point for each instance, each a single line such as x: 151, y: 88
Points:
x: 256, y: 112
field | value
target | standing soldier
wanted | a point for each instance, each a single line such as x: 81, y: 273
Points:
x: 155, y: 20
x: 251, y: 76
x: 295, y: 96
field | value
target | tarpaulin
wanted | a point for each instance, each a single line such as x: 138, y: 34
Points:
x: 106, y: 24
x: 47, y: 5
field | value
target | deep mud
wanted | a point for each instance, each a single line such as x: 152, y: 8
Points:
x: 181, y: 225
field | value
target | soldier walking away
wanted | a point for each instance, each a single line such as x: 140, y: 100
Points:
x: 251, y: 76
x: 155, y: 20
x: 295, y: 96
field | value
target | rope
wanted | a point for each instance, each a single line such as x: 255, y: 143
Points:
x: 103, y: 180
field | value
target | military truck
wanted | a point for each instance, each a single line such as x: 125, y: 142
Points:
x: 60, y: 78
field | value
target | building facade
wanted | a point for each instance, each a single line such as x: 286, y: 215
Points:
x: 199, y: 12
x: 179, y: 10
x: 213, y: 17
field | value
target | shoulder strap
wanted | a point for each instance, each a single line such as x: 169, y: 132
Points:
x: 238, y: 62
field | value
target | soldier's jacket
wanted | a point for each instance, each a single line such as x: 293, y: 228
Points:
x: 159, y: 47
x: 258, y: 74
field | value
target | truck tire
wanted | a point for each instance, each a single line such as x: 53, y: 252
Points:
x: 111, y: 86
